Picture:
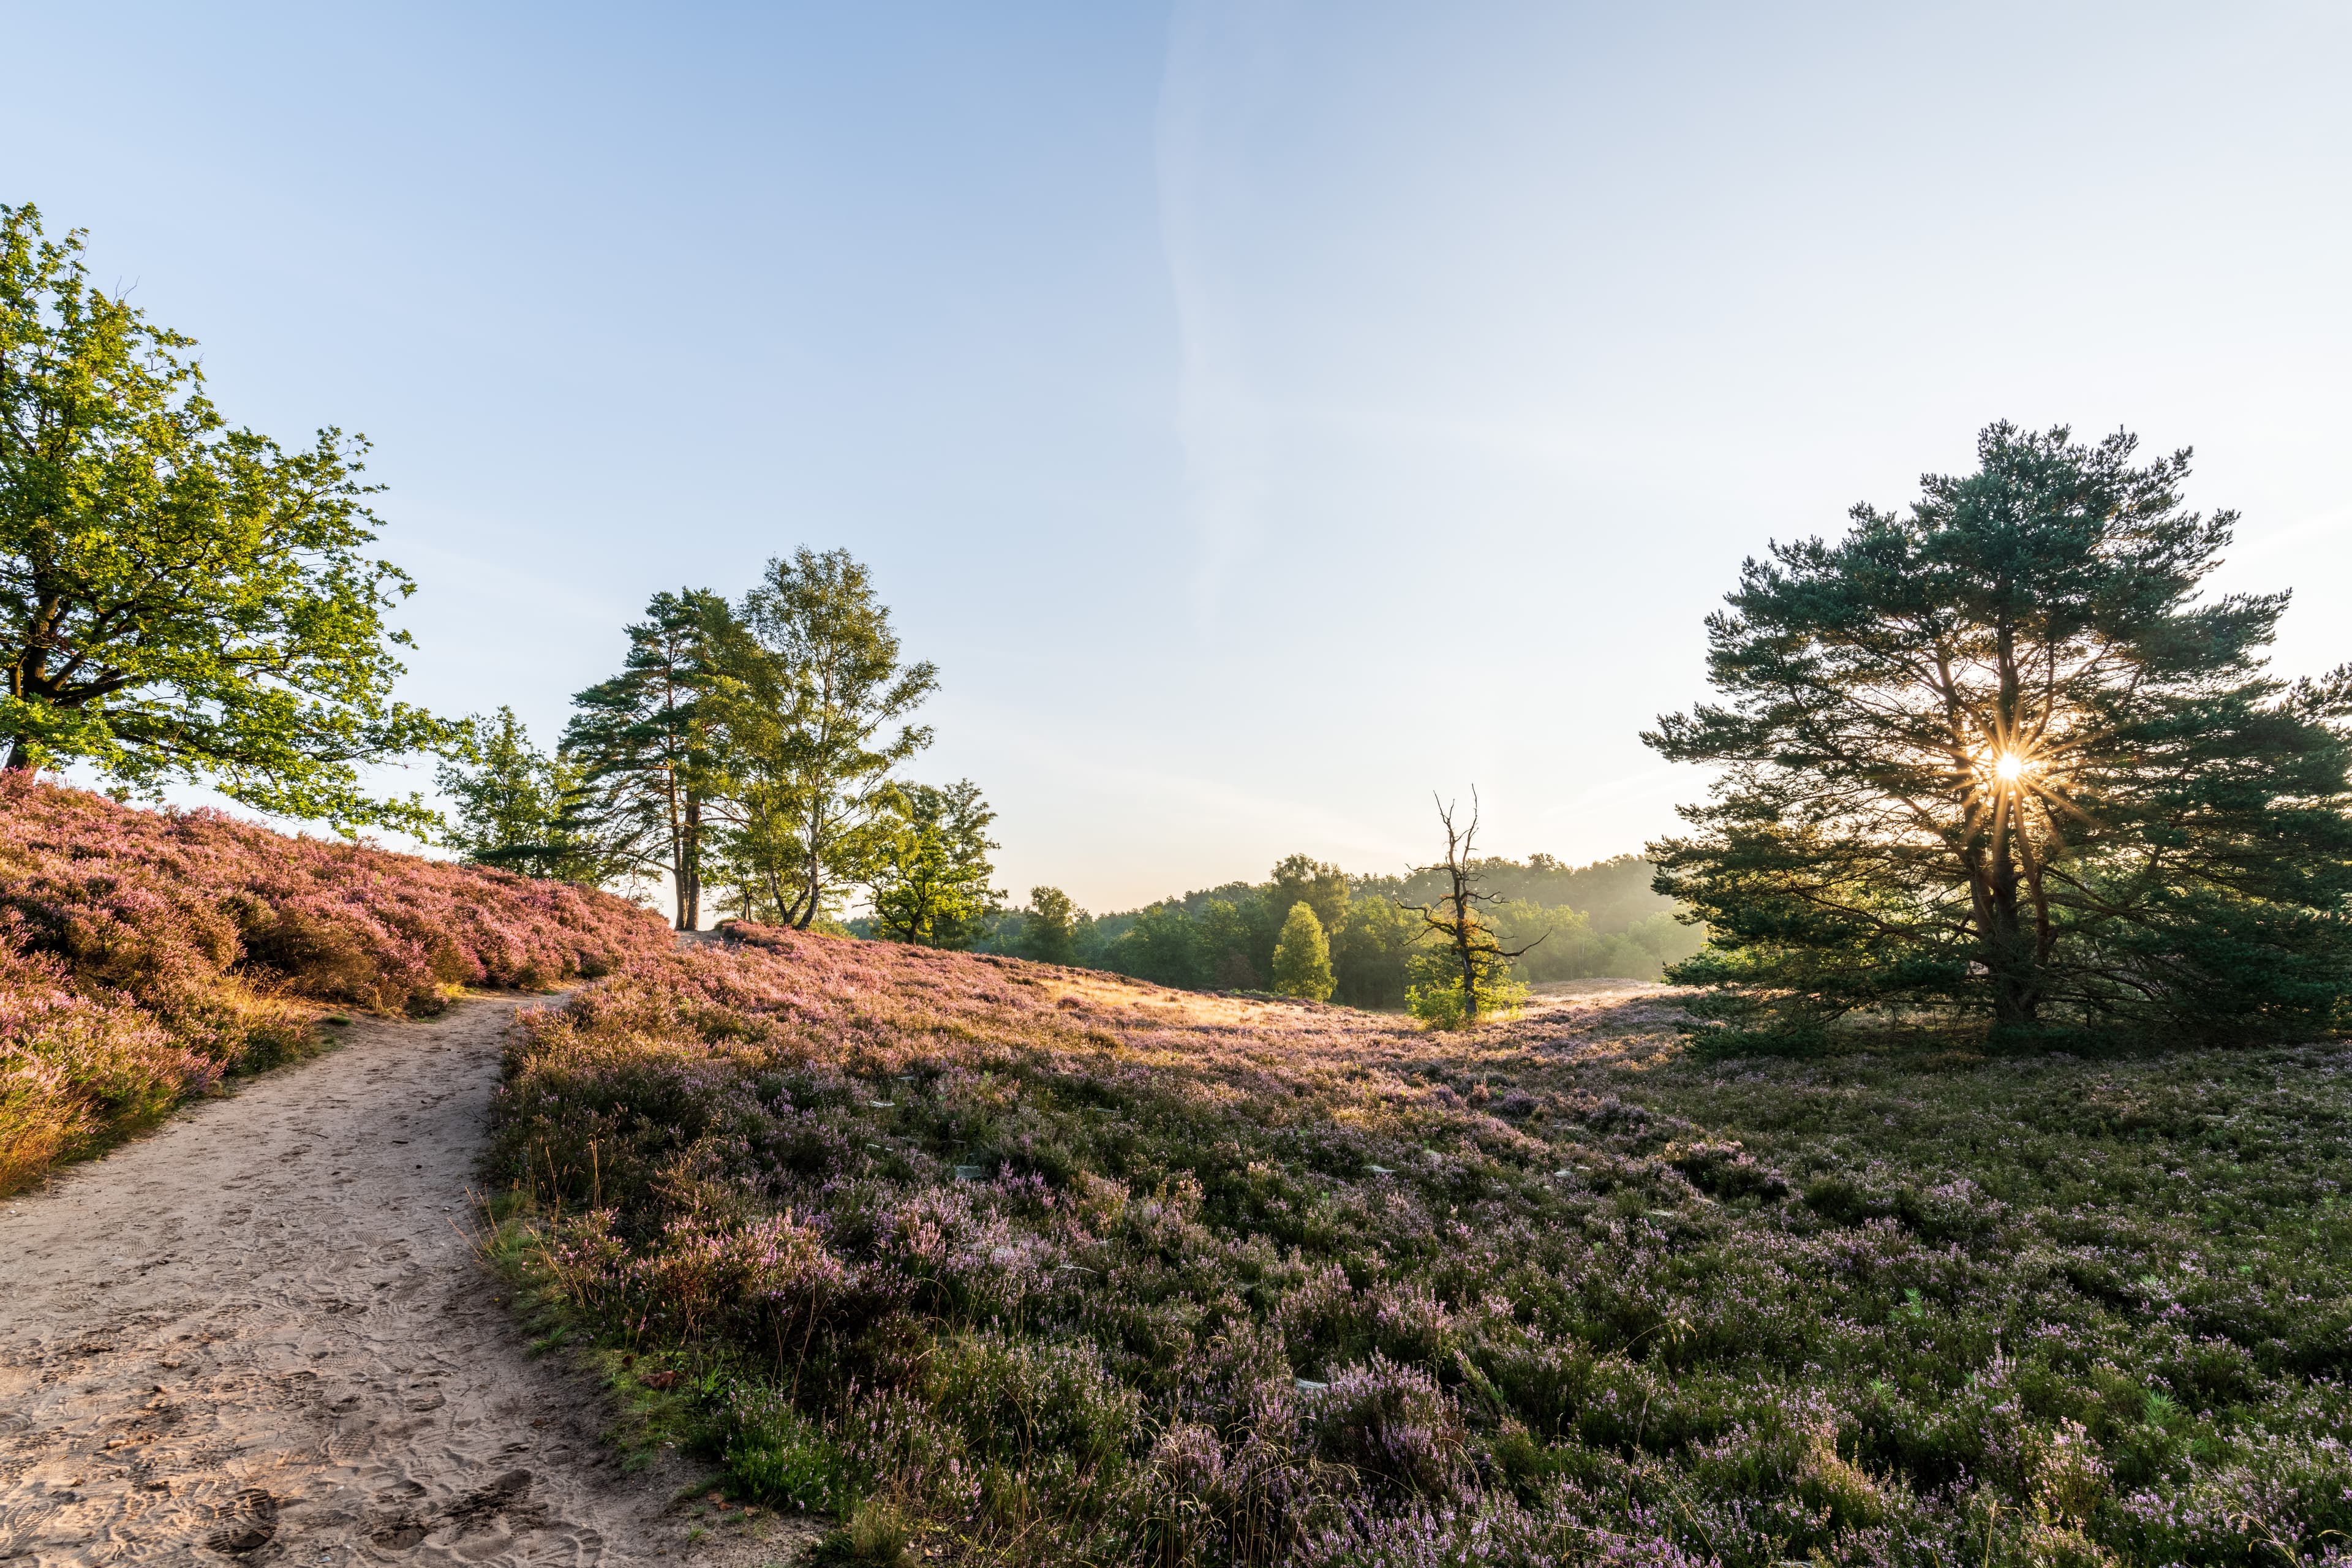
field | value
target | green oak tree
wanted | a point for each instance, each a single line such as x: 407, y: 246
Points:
x: 1996, y: 754
x: 181, y: 598
x: 930, y: 871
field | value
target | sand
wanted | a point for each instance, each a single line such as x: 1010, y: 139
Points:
x: 258, y: 1335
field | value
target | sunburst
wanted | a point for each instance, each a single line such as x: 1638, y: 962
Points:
x: 2016, y: 772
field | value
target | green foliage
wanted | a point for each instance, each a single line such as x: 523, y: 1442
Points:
x: 1320, y: 885
x: 750, y: 747
x: 179, y: 598
x: 1614, y: 893
x: 1370, y: 953
x: 1225, y: 938
x: 1049, y: 929
x: 1444, y: 998
x: 930, y: 868
x: 1161, y: 944
x: 1302, y: 959
x: 873, y: 1532
x: 513, y: 807
x: 776, y: 1456
x: 1995, y: 758
x: 1229, y: 938
x: 1561, y: 944
x: 1466, y: 970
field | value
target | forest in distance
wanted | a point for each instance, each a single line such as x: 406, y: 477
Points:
x: 1576, y: 922
x: 914, y: 865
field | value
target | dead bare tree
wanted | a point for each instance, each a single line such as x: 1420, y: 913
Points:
x: 1454, y: 917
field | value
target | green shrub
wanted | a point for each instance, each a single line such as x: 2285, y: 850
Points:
x: 775, y: 1455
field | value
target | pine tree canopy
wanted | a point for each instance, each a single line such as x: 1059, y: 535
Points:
x: 1997, y: 757
x: 646, y: 751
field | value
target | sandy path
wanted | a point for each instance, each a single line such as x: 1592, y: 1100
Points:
x: 256, y: 1336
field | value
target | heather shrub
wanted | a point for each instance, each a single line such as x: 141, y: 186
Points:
x: 1064, y: 1268
x: 72, y: 1066
x: 1392, y: 1426
x: 142, y: 954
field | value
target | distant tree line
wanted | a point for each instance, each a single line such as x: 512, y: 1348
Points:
x: 1603, y: 920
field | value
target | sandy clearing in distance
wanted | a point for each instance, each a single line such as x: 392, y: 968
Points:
x: 256, y: 1335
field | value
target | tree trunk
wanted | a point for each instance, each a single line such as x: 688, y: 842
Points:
x: 804, y: 910
x: 20, y: 758
x: 2014, y: 969
x: 1461, y: 946
x: 2010, y: 948
x: 690, y: 894
x: 806, y: 902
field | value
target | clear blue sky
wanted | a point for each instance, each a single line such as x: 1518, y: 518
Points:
x: 1263, y: 412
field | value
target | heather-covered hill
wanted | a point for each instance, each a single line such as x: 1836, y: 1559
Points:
x: 142, y: 954
x: 1014, y: 1263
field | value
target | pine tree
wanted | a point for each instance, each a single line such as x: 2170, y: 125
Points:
x: 1995, y: 755
x: 648, y: 751
x: 513, y: 804
x: 1302, y: 958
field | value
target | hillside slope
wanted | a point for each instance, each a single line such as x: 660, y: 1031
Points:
x: 142, y: 954
x: 1035, y: 1264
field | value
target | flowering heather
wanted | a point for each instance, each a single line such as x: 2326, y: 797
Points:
x: 144, y: 954
x: 1053, y: 1268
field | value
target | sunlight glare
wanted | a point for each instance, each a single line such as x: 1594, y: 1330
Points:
x: 2009, y: 767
